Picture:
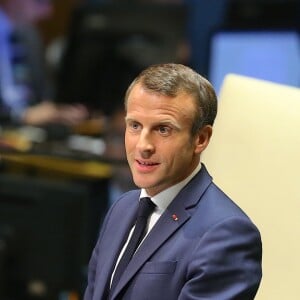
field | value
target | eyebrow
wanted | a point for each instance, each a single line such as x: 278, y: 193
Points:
x: 168, y: 122
x: 157, y: 123
x: 130, y: 119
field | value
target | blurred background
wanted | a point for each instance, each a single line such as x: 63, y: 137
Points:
x: 64, y: 69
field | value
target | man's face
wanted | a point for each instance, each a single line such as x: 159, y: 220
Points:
x: 160, y: 149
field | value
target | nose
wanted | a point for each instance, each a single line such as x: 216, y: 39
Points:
x: 145, y: 144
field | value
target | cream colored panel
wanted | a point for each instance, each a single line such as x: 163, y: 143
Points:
x: 254, y: 156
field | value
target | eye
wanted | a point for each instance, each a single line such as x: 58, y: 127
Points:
x: 164, y: 130
x: 133, y: 126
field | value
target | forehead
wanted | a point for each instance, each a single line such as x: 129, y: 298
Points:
x: 144, y: 102
x: 139, y: 91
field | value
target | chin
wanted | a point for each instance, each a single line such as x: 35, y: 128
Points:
x: 142, y: 183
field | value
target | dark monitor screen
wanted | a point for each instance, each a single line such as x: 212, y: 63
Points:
x: 43, y: 239
x: 108, y: 45
x: 272, y: 55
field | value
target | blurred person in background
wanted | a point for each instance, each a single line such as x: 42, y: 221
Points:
x: 25, y: 93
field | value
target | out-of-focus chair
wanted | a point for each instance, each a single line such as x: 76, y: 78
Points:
x: 254, y: 156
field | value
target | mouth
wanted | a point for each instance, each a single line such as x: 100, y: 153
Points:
x: 146, y: 163
x: 145, y: 166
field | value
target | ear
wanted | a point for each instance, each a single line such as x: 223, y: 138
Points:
x: 202, y: 138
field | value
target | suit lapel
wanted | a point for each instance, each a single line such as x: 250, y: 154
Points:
x: 117, y: 236
x: 166, y: 225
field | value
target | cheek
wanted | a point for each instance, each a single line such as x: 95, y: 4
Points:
x: 182, y: 146
x: 177, y: 152
x: 129, y: 143
x: 186, y: 153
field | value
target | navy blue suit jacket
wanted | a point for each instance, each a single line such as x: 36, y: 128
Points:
x: 213, y: 250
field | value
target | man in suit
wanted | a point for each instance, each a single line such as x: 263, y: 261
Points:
x: 198, y: 243
x: 25, y: 95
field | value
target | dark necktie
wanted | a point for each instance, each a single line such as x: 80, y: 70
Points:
x: 146, y: 207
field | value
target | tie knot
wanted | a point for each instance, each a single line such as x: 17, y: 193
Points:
x: 146, y: 207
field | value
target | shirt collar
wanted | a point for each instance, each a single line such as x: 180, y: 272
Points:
x: 164, y: 198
